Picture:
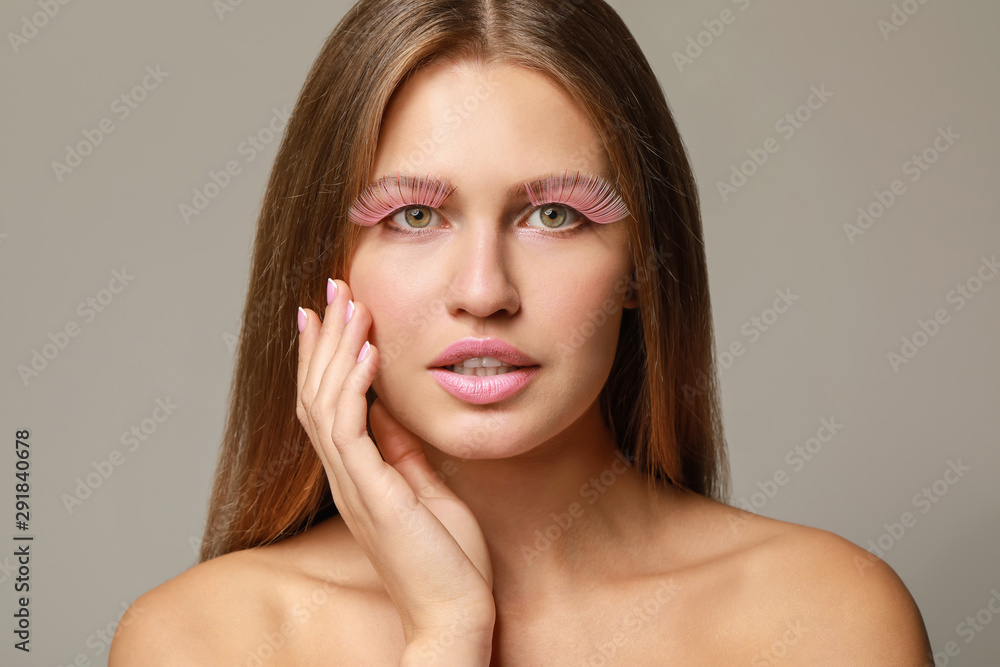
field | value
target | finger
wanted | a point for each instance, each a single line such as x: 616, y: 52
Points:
x: 320, y: 342
x: 358, y: 455
x: 372, y: 482
x: 328, y: 337
x: 402, y: 450
x: 308, y: 323
x: 309, y: 326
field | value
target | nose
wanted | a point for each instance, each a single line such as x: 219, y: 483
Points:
x: 481, y: 278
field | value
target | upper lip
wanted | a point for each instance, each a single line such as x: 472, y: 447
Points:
x: 466, y: 348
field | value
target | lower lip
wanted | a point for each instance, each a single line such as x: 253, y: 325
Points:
x: 486, y: 389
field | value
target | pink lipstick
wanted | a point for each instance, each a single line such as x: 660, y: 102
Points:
x: 517, y: 370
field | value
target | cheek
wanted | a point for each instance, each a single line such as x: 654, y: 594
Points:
x: 403, y: 311
x: 585, y: 311
x: 388, y: 288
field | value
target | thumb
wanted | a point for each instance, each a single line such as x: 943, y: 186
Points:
x: 404, y: 451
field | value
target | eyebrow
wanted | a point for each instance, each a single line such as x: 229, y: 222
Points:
x: 408, y: 182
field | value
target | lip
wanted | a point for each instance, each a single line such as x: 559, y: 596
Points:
x: 490, y: 388
x: 487, y: 389
x: 467, y: 348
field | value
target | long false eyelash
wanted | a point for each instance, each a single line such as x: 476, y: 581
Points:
x: 379, y: 200
x: 591, y: 196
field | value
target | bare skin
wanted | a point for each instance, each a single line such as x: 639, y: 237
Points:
x: 635, y: 577
x: 714, y: 586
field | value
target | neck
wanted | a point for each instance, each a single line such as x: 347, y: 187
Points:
x: 568, y: 509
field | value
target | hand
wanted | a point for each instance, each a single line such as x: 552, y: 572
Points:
x: 423, y: 541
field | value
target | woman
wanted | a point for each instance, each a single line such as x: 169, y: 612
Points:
x: 493, y: 185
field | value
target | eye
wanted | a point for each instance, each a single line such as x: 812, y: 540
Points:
x: 416, y: 216
x: 557, y: 217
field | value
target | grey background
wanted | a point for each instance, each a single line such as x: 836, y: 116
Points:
x: 169, y: 333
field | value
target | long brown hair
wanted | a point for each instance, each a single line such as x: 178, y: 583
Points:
x: 661, y: 399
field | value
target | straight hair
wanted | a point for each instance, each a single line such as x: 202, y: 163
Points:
x: 661, y: 400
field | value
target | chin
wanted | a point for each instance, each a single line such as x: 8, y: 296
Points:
x: 468, y: 431
x: 477, y: 435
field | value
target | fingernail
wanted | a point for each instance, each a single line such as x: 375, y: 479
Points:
x: 331, y: 290
x: 303, y: 318
x: 364, y: 351
x: 350, y: 311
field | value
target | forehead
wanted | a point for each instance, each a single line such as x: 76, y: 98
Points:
x: 485, y: 123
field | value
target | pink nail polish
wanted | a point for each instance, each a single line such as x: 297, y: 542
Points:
x: 303, y: 318
x: 350, y: 311
x: 331, y: 290
x: 364, y: 351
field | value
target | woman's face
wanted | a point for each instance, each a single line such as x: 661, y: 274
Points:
x: 487, y: 262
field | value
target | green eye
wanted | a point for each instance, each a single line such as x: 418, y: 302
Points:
x: 555, y: 217
x: 552, y: 214
x: 414, y: 217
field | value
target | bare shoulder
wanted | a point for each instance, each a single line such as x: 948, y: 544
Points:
x: 858, y: 607
x: 812, y: 594
x: 195, y: 618
x: 285, y: 603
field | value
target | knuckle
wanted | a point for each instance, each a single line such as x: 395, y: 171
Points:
x: 300, y: 412
x: 315, y: 412
x: 338, y: 436
x: 306, y: 398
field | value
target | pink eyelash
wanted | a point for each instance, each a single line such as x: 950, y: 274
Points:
x: 591, y: 196
x: 378, y: 201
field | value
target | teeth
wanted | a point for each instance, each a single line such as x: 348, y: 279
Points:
x: 482, y: 366
x: 479, y: 362
x: 482, y: 372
